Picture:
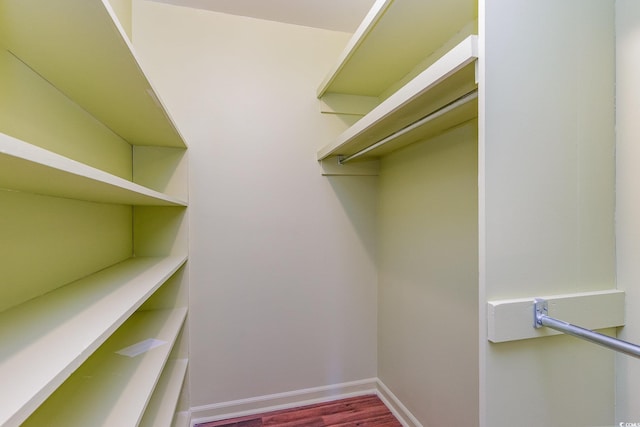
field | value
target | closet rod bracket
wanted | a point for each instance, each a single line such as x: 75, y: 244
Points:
x: 541, y: 318
x: 540, y: 308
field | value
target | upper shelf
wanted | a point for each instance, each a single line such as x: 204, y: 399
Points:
x: 26, y: 167
x: 45, y: 339
x: 448, y: 79
x: 80, y: 48
x: 393, y: 39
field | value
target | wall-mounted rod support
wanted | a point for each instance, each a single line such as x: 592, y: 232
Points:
x: 540, y: 319
x: 429, y: 117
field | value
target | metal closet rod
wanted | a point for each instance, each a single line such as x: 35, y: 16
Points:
x: 540, y: 319
x: 467, y: 97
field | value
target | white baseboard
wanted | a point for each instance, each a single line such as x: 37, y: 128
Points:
x: 276, y: 402
x: 309, y: 396
x: 396, y: 407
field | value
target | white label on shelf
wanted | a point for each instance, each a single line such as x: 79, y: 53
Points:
x: 141, y: 347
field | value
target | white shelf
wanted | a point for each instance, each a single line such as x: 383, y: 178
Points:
x: 45, y: 339
x: 161, y: 409
x: 78, y: 46
x: 28, y: 168
x: 393, y: 39
x: 450, y: 77
x: 111, y: 389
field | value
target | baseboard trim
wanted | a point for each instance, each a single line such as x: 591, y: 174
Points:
x: 309, y: 396
x: 396, y: 407
x: 279, y: 401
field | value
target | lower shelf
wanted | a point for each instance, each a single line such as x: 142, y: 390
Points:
x: 161, y: 408
x: 110, y: 388
x: 47, y: 338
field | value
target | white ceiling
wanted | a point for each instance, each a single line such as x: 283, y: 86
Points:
x: 339, y: 15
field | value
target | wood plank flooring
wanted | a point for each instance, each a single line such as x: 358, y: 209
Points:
x: 363, y: 411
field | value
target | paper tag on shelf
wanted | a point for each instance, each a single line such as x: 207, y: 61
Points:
x: 141, y: 347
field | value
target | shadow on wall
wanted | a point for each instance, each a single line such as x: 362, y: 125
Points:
x: 358, y: 196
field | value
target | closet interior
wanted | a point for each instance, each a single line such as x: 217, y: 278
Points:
x: 488, y: 124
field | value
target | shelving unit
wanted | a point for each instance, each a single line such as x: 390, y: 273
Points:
x: 93, y: 177
x: 162, y: 405
x: 79, y: 318
x: 419, y: 61
x: 111, y: 389
x: 395, y: 39
x: 449, y: 78
x: 81, y: 49
x: 28, y: 168
x: 424, y: 56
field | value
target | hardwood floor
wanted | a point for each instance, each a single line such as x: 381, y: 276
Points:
x: 363, y: 411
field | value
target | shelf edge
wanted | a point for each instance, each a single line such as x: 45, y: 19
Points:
x: 369, y: 22
x: 165, y: 395
x: 131, y: 377
x: 461, y: 55
x: 58, y: 164
x: 49, y: 383
x: 153, y: 92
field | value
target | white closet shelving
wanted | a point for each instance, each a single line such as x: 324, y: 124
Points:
x: 448, y: 79
x: 128, y: 381
x: 26, y: 167
x: 420, y: 67
x: 416, y: 61
x: 79, y: 105
x: 160, y: 409
x: 395, y: 38
x: 81, y: 49
x: 67, y: 325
